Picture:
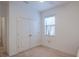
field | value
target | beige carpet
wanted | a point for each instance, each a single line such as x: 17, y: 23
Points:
x: 41, y: 51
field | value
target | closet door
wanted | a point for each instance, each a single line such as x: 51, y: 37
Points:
x: 23, y: 32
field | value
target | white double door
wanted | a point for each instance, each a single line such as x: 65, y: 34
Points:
x: 23, y: 33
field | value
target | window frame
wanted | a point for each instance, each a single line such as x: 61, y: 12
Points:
x: 49, y: 25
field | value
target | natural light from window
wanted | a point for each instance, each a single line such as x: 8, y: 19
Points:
x: 50, y: 26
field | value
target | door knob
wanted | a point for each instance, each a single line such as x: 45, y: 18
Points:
x: 30, y: 35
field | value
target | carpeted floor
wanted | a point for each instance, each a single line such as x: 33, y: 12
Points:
x: 41, y: 51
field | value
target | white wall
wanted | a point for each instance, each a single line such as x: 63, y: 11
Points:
x: 67, y: 28
x: 17, y: 9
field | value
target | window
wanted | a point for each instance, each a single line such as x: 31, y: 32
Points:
x: 49, y: 23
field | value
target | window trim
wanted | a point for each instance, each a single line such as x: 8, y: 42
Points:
x: 50, y: 25
x: 49, y: 16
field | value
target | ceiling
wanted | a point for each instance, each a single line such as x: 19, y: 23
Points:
x: 41, y: 6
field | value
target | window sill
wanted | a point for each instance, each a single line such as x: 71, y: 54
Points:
x: 50, y: 35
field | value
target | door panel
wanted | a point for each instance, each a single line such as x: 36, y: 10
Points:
x: 22, y: 34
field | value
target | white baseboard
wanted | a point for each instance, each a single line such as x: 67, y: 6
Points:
x: 58, y: 50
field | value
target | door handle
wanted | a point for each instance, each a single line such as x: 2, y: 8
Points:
x: 30, y: 35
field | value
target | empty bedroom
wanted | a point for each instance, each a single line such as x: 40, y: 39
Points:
x: 39, y: 28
